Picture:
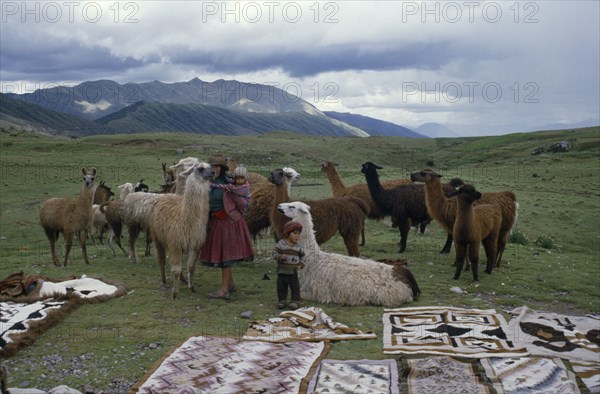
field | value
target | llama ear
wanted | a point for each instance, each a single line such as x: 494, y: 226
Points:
x: 305, y: 209
x: 94, y: 171
x: 83, y: 171
x: 377, y: 167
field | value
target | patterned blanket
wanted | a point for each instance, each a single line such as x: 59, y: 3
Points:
x: 529, y: 375
x: 225, y: 365
x: 448, y: 331
x: 443, y: 375
x: 355, y: 376
x: 22, y: 319
x: 304, y: 324
x: 575, y: 338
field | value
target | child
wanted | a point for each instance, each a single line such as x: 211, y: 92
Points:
x: 240, y: 186
x: 289, y: 255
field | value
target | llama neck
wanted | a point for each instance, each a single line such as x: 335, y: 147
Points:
x: 373, y: 183
x: 337, y: 186
x: 434, y: 196
x: 464, y: 213
x: 86, y: 199
x: 194, y: 210
x: 307, y: 239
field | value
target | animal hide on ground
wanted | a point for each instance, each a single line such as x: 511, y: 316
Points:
x: 226, y: 365
x: 444, y: 375
x: 22, y: 319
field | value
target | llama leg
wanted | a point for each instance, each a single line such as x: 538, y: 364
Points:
x: 459, y: 260
x: 52, y: 237
x: 162, y: 262
x: 191, y: 267
x: 489, y: 245
x: 118, y: 229
x: 175, y: 271
x: 448, y: 245
x: 362, y: 237
x: 82, y: 240
x: 134, y: 231
x: 404, y: 227
x: 68, y: 243
x: 351, y: 242
x: 502, y: 239
x: 148, y: 243
x: 474, y: 259
x: 111, y: 243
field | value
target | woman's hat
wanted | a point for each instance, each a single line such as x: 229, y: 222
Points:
x: 218, y: 160
x: 291, y: 226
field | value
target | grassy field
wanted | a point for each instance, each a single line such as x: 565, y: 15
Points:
x: 119, y: 340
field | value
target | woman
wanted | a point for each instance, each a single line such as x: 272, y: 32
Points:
x: 228, y: 240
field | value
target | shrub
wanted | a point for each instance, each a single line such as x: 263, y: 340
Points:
x: 546, y: 242
x: 518, y: 237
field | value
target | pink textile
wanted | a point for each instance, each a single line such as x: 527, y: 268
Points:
x: 227, y: 242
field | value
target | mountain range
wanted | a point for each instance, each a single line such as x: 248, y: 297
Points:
x: 196, y: 106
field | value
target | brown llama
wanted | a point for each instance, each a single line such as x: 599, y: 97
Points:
x: 344, y: 214
x: 69, y: 216
x: 474, y: 224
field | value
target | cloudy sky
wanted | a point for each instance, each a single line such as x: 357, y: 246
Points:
x: 479, y: 67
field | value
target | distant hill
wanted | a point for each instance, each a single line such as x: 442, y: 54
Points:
x: 374, y: 127
x: 95, y: 99
x: 34, y: 117
x: 435, y: 130
x: 205, y: 119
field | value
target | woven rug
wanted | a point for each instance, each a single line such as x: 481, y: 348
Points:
x: 574, y: 338
x: 225, y: 365
x: 304, y: 324
x: 355, y: 376
x: 23, y: 318
x: 529, y: 375
x: 441, y: 375
x: 448, y: 331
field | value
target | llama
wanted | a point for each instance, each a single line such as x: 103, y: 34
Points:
x: 404, y: 203
x: 102, y: 194
x: 443, y: 209
x: 114, y: 218
x: 179, y: 224
x: 344, y: 214
x: 258, y: 214
x: 359, y: 190
x: 332, y: 278
x: 439, y: 207
x: 69, y: 216
x: 474, y: 224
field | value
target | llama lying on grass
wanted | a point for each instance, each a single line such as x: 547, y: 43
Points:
x: 404, y: 203
x: 474, y: 224
x: 332, y: 278
x: 70, y: 216
x: 178, y: 224
x: 345, y: 215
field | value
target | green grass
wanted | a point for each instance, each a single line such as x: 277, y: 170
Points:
x: 558, y: 195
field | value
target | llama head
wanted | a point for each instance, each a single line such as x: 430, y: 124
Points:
x: 466, y: 193
x: 202, y: 172
x: 325, y: 165
x: 277, y: 177
x: 231, y: 163
x: 89, y: 177
x: 456, y: 182
x: 425, y: 175
x: 294, y: 210
x: 292, y: 175
x: 370, y: 167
